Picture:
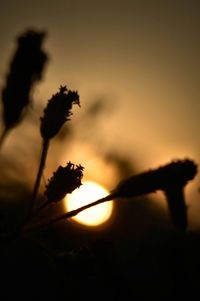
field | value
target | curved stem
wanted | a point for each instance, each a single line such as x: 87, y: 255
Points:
x: 39, y: 175
x: 69, y: 214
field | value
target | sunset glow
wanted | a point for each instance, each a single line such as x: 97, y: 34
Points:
x: 87, y: 193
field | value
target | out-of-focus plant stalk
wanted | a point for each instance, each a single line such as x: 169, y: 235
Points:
x: 26, y: 68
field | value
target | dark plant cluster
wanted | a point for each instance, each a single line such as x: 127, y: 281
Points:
x: 26, y: 69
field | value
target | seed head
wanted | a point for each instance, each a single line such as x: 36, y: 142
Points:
x: 171, y: 179
x: 26, y: 68
x: 65, y: 180
x: 174, y: 174
x: 57, y: 112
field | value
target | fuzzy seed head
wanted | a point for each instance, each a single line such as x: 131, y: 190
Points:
x: 171, y: 179
x: 57, y: 112
x: 174, y: 174
x: 65, y: 180
x: 26, y: 68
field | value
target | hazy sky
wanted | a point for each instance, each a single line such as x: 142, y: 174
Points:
x: 142, y: 56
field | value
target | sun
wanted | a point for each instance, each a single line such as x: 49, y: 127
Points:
x: 87, y: 193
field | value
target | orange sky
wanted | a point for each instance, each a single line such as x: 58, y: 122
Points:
x: 141, y: 56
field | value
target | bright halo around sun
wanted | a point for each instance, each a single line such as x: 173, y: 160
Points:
x: 88, y: 193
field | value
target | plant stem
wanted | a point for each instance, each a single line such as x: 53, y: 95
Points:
x: 39, y: 175
x: 31, y: 214
x: 69, y: 214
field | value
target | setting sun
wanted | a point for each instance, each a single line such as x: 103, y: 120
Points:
x: 87, y: 193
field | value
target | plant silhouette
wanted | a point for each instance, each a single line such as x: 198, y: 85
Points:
x: 25, y: 70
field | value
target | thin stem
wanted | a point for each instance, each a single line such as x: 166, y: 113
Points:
x: 39, y: 174
x: 70, y: 214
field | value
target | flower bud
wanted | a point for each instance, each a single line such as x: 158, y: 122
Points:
x: 65, y: 180
x: 57, y: 112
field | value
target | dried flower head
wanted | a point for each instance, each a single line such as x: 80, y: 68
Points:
x: 25, y: 69
x: 176, y: 173
x: 64, y: 181
x: 57, y: 112
x: 170, y: 178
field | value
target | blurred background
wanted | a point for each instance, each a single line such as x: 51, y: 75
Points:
x: 136, y: 67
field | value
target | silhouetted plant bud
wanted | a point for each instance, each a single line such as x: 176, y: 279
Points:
x: 174, y: 174
x: 25, y: 69
x: 57, y: 112
x: 64, y: 181
x: 170, y: 178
